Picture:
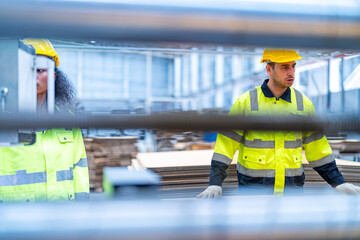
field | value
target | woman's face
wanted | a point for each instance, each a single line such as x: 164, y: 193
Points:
x: 41, y: 80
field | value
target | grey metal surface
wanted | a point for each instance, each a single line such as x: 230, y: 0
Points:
x: 321, y: 24
x: 26, y: 80
x: 9, y: 72
x: 43, y: 62
x: 260, y: 217
x: 182, y: 121
x: 17, y: 75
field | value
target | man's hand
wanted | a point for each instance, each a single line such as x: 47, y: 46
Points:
x: 348, y: 188
x: 212, y: 191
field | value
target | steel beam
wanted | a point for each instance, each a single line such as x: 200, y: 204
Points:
x: 182, y: 121
x: 322, y: 24
x: 315, y: 217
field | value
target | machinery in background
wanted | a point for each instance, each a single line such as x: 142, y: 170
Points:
x: 124, y: 184
x: 18, y: 86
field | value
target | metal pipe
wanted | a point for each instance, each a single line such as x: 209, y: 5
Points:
x: 165, y: 51
x: 265, y: 217
x: 328, y: 96
x: 182, y: 121
x: 342, y: 80
x: 323, y: 24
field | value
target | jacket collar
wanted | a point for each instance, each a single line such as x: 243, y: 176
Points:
x: 266, y: 91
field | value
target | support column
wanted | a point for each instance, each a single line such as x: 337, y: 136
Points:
x: 342, y: 79
x: 219, y: 78
x: 148, y: 100
x: 177, y: 77
x: 80, y: 74
x: 126, y: 80
x: 328, y: 102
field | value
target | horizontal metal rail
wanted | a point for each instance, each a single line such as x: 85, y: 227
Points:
x: 321, y: 24
x: 315, y: 217
x: 181, y: 121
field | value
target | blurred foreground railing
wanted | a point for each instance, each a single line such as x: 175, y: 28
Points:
x: 182, y: 121
x: 316, y: 24
x: 311, y: 217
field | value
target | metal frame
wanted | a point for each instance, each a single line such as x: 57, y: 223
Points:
x: 43, y: 62
x: 265, y: 217
x: 324, y: 24
x: 183, y: 121
x: 256, y: 23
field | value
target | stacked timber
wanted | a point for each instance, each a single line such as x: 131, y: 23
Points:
x: 180, y: 140
x: 345, y: 145
x: 108, y: 152
x: 186, y: 173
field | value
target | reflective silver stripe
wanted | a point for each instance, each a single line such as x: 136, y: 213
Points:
x: 22, y: 178
x: 64, y: 175
x: 322, y: 161
x: 254, y: 100
x: 83, y: 196
x: 299, y: 100
x: 221, y: 158
x: 255, y: 172
x: 258, y: 143
x: 313, y: 137
x: 293, y: 144
x: 232, y: 135
x: 293, y: 172
x: 289, y: 172
x: 81, y: 163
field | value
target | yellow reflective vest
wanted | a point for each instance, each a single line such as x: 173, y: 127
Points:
x: 272, y: 156
x: 54, y: 168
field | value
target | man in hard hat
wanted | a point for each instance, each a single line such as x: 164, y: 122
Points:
x: 55, y: 167
x: 270, y: 162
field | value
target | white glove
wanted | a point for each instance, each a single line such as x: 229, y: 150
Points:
x: 348, y: 188
x: 212, y: 191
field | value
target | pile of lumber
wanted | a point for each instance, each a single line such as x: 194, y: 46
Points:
x: 186, y: 173
x: 345, y: 145
x: 108, y: 152
x: 179, y: 140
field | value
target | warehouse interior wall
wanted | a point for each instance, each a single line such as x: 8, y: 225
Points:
x: 120, y: 82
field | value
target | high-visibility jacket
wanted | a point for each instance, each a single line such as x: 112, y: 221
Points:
x: 54, y: 168
x: 273, y: 158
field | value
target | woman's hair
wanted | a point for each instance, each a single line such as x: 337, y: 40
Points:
x: 65, y: 95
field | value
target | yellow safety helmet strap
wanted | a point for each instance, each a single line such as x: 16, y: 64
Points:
x: 43, y: 47
x: 280, y: 55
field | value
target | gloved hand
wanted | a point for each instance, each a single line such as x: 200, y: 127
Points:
x: 212, y: 191
x: 348, y: 188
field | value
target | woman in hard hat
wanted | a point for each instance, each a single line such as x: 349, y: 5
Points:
x: 64, y: 92
x: 55, y: 167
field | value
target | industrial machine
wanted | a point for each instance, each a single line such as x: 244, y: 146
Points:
x: 18, y: 86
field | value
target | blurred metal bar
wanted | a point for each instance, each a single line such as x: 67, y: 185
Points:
x: 317, y: 24
x: 45, y: 63
x: 182, y: 121
x: 315, y: 217
x: 176, y: 50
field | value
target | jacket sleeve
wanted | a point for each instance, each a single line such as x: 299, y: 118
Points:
x: 320, y: 156
x: 80, y: 170
x: 227, y: 142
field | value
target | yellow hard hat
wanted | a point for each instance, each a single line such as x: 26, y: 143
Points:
x: 43, y: 47
x: 280, y: 55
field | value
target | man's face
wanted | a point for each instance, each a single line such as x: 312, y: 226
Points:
x: 41, y: 80
x: 283, y: 74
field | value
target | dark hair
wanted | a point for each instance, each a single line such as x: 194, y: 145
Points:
x: 65, y: 95
x: 271, y: 64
